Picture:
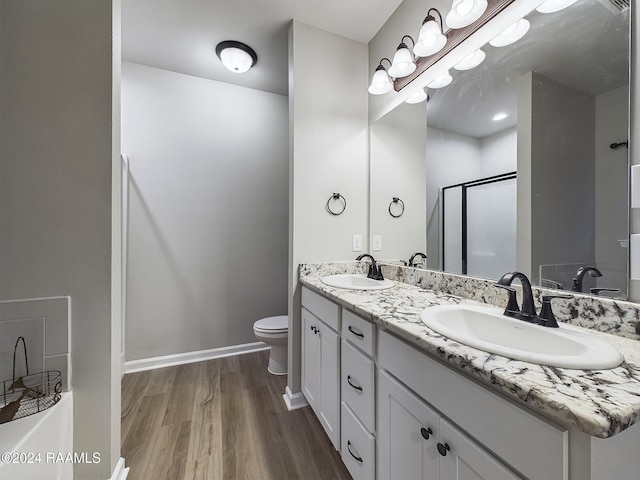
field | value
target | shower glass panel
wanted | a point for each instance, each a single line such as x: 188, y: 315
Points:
x: 491, y: 229
x: 479, y: 226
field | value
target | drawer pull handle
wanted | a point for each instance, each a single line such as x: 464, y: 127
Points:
x: 357, y: 458
x: 355, y: 332
x: 443, y: 449
x: 357, y: 387
x: 425, y: 432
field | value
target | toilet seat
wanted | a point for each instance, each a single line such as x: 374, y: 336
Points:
x: 272, y: 325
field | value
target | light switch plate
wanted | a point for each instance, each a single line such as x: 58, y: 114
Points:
x: 634, y: 256
x: 357, y: 243
x: 635, y: 186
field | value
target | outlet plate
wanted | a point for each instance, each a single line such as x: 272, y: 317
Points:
x: 377, y: 243
x: 357, y: 243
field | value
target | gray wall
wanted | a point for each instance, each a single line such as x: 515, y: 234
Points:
x: 58, y: 139
x: 207, y: 211
x: 562, y: 173
x: 397, y: 165
x: 328, y: 153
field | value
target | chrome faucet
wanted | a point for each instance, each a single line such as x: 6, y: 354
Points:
x: 375, y: 272
x: 528, y: 310
x: 412, y: 263
x: 582, y: 271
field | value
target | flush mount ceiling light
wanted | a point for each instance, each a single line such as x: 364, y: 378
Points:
x: 440, y: 81
x: 430, y: 38
x: 419, y: 96
x: 471, y: 61
x: 512, y: 34
x: 380, y: 83
x: 551, y: 6
x: 403, y: 63
x: 465, y: 12
x: 236, y: 56
x: 499, y: 116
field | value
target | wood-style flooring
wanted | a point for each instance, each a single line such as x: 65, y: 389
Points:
x: 221, y: 419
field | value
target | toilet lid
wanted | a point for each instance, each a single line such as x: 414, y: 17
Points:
x: 276, y: 324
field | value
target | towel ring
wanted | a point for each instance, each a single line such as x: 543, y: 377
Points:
x: 336, y: 197
x: 396, y: 201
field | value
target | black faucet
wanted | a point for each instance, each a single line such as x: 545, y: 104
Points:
x: 582, y: 271
x: 375, y: 272
x: 528, y: 310
x: 413, y: 257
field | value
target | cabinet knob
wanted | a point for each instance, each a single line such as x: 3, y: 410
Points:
x: 425, y: 432
x: 443, y: 449
x: 356, y: 458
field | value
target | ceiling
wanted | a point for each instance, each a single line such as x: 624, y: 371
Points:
x: 584, y: 46
x: 181, y: 35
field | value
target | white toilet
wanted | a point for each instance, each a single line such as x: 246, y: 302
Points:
x: 274, y: 331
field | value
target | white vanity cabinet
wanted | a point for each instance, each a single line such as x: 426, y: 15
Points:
x: 321, y: 361
x: 417, y: 442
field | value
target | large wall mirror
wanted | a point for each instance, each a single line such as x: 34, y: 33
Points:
x: 522, y: 162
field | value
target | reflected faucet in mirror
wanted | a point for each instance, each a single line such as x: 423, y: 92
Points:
x: 412, y: 259
x: 579, y: 278
x: 375, y: 272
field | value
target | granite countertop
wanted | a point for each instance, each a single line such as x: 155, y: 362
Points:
x: 600, y: 403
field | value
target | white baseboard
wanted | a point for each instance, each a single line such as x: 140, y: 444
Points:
x: 191, y: 357
x: 294, y: 400
x: 120, y: 473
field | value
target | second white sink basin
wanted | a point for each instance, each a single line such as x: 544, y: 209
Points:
x: 487, y: 329
x: 356, y: 282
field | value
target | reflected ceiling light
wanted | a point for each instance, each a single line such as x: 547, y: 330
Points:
x: 551, y: 6
x: 471, y: 61
x: 403, y: 63
x: 440, y: 81
x: 465, y: 12
x: 236, y: 56
x: 512, y: 34
x: 419, y: 96
x: 430, y: 38
x: 380, y: 83
x: 499, y: 116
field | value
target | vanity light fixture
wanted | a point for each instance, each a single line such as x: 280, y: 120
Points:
x: 471, y: 61
x: 380, y: 83
x: 441, y: 80
x: 236, y: 56
x: 430, y: 38
x: 551, y: 6
x: 403, y: 63
x: 419, y: 96
x: 512, y: 34
x: 499, y: 116
x: 465, y: 12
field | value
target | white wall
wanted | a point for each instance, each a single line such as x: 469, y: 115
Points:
x: 397, y: 164
x: 328, y: 153
x: 207, y: 211
x: 59, y: 134
x: 499, y: 152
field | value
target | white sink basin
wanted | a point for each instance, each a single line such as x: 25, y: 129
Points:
x: 356, y: 282
x: 487, y: 329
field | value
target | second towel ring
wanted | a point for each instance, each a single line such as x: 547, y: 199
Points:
x: 336, y: 197
x: 396, y: 201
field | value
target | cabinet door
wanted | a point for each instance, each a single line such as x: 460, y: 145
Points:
x: 407, y: 434
x: 330, y: 383
x: 464, y: 459
x: 311, y: 359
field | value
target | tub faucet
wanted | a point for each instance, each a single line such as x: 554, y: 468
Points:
x: 375, y: 272
x: 412, y: 262
x: 528, y: 310
x: 582, y: 271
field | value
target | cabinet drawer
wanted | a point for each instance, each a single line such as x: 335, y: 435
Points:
x: 357, y: 447
x: 324, y: 309
x: 358, y: 331
x: 358, y: 384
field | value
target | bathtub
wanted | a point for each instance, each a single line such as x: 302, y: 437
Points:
x: 36, y: 447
